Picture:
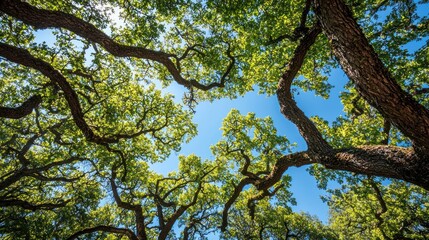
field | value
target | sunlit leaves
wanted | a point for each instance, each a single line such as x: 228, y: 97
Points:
x: 46, y: 158
x: 358, y: 212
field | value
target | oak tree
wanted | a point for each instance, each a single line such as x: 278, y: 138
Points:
x: 83, y: 118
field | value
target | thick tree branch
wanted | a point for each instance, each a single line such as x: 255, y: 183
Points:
x: 179, y: 212
x: 25, y: 109
x: 316, y: 143
x: 40, y: 18
x: 23, y: 57
x: 251, y: 203
x: 283, y: 163
x: 24, y: 171
x: 110, y: 229
x: 380, y: 160
x: 372, y: 79
x: 231, y: 200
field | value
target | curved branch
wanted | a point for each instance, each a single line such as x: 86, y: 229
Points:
x: 24, y: 58
x: 283, y: 163
x: 179, y: 212
x: 299, y: 31
x: 231, y: 200
x: 251, y: 203
x: 41, y: 18
x: 137, y: 209
x: 110, y: 229
x: 316, y: 143
x: 25, y: 109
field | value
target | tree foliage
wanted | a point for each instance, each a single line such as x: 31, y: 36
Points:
x: 83, y: 115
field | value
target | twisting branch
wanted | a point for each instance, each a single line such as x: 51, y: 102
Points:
x: 304, y: 14
x: 24, y: 171
x: 182, y: 208
x: 23, y: 57
x: 288, y: 107
x: 382, y: 203
x: 122, y: 231
x: 283, y: 163
x: 379, y: 160
x: 231, y: 200
x: 299, y: 31
x: 41, y: 18
x: 251, y: 203
x: 179, y: 212
x: 25, y: 109
x: 137, y: 209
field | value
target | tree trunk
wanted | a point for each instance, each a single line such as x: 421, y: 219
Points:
x: 371, y: 78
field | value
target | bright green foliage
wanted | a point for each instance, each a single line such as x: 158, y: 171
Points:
x: 357, y: 211
x: 275, y: 222
x: 251, y: 137
x: 55, y: 182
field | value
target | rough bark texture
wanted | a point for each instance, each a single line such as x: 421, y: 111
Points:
x: 358, y: 59
x: 288, y: 107
x: 379, y: 160
x: 377, y: 86
x: 372, y: 79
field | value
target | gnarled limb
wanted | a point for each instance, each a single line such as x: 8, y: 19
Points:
x: 380, y: 160
x: 110, y: 229
x: 23, y: 57
x: 372, y: 79
x: 316, y: 143
x: 25, y: 109
x: 231, y: 200
x: 299, y: 31
x: 137, y: 209
x: 41, y: 18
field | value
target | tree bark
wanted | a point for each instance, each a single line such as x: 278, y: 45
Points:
x: 288, y: 107
x: 110, y: 229
x: 371, y: 78
x: 25, y: 109
x: 380, y: 160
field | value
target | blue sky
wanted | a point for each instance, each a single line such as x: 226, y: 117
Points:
x: 209, y: 116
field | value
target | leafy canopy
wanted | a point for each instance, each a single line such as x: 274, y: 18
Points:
x: 84, y: 112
